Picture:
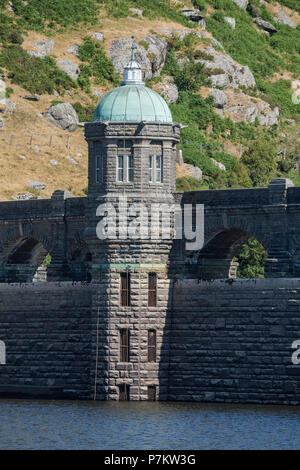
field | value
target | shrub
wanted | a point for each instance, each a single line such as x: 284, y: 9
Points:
x: 251, y: 259
x: 34, y: 74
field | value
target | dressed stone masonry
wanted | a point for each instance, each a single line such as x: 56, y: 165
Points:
x: 63, y: 318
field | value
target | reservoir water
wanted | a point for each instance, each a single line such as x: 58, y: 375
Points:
x: 49, y: 424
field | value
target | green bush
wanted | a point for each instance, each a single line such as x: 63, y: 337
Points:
x: 260, y: 159
x: 95, y: 64
x: 251, y: 259
x: 189, y: 183
x: 85, y: 113
x: 34, y: 74
x: 45, y: 14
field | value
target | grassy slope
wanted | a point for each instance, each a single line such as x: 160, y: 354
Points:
x: 246, y: 44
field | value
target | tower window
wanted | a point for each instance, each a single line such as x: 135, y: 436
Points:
x: 125, y: 168
x: 99, y: 168
x: 120, y: 168
x: 150, y: 168
x: 155, y: 169
x: 130, y: 168
x: 125, y: 290
x: 158, y: 169
x: 151, y: 346
x: 124, y: 345
x: 124, y: 392
x: 152, y: 289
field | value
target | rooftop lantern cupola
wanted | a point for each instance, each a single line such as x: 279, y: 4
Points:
x: 132, y: 71
x: 132, y: 101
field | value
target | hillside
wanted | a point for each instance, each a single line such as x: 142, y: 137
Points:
x: 230, y: 71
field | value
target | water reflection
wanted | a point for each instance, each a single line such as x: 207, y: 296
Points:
x: 43, y: 424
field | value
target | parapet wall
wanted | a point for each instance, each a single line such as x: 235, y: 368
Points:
x: 46, y: 331
x: 231, y: 341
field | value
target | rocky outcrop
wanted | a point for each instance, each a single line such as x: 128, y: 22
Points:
x: 283, y: 18
x: 218, y: 164
x: 98, y: 36
x: 151, y: 59
x: 136, y: 11
x: 194, y: 171
x: 234, y: 73
x: 1, y: 123
x: 43, y: 47
x: 37, y: 185
x: 241, y: 107
x: 74, y: 49
x: 220, y: 98
x: 69, y: 68
x: 63, y: 115
x: 230, y: 21
x: 193, y: 14
x: 265, y: 25
x: 168, y: 89
x: 241, y: 3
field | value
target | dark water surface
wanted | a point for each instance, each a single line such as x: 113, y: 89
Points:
x: 49, y: 424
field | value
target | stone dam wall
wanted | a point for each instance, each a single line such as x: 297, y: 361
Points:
x: 221, y: 341
x: 46, y: 330
x: 231, y: 341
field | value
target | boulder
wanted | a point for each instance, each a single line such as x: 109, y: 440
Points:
x: 241, y: 3
x: 221, y: 80
x: 217, y: 44
x: 69, y: 68
x: 98, y: 93
x: 53, y: 162
x: 230, y: 21
x: 24, y: 197
x: 37, y: 185
x: 283, y: 18
x: 45, y: 46
x: 193, y: 14
x: 63, y: 115
x: 7, y: 106
x: 98, y: 36
x: 220, y: 99
x: 72, y: 160
x: 194, y: 171
x: 157, y: 52
x: 136, y: 11
x: 169, y: 91
x: 1, y: 123
x: 74, y: 49
x: 218, y: 164
x: 265, y: 25
x: 240, y: 75
x: 31, y: 98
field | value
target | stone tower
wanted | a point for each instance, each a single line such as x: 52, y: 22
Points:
x: 132, y: 169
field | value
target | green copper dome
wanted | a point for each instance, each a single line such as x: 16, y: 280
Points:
x: 133, y: 102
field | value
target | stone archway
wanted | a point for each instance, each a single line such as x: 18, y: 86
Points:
x: 218, y: 259
x: 24, y: 259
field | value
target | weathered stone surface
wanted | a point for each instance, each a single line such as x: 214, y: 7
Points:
x: 220, y: 80
x: 169, y: 90
x: 74, y: 49
x: 31, y: 97
x: 265, y: 25
x: 72, y: 160
x: 230, y: 21
x: 220, y: 98
x: 1, y: 123
x: 64, y: 116
x: 136, y: 11
x: 193, y: 14
x: 239, y: 74
x: 69, y: 68
x: 217, y: 44
x: 195, y: 171
x: 23, y: 196
x: 248, y: 110
x: 98, y: 36
x: 283, y: 18
x: 98, y: 93
x: 241, y: 3
x: 151, y: 60
x: 218, y: 164
x: 43, y: 47
x: 38, y: 185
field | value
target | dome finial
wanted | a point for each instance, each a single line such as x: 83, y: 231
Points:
x: 134, y: 46
x: 132, y: 71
